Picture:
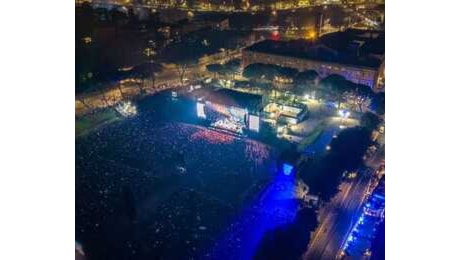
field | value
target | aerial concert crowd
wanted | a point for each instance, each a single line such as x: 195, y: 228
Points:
x: 141, y: 155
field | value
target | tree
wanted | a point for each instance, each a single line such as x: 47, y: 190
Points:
x: 154, y: 68
x: 102, y: 93
x: 138, y: 74
x: 121, y: 91
x: 257, y: 71
x: 182, y: 69
x: 323, y: 175
x: 362, y: 94
x: 120, y: 76
x: 363, y: 90
x: 233, y: 67
x: 378, y: 103
x: 183, y: 57
x: 251, y: 71
x: 286, y: 72
x: 260, y: 71
x: 146, y: 71
x: 369, y: 121
x: 304, y: 82
x: 306, y: 77
x: 349, y: 147
x: 333, y: 81
x: 183, y: 66
x: 215, y: 68
x: 337, y: 85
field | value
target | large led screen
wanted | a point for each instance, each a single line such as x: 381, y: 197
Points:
x: 254, y: 122
x: 200, y: 110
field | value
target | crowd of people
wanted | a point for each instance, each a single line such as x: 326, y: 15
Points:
x: 212, y: 137
x: 177, y: 213
x: 275, y: 206
x: 257, y: 152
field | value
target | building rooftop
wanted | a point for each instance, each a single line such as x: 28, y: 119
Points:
x: 352, y: 47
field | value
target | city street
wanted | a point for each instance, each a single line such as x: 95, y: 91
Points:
x: 336, y: 217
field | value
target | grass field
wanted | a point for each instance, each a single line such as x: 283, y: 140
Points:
x: 90, y: 122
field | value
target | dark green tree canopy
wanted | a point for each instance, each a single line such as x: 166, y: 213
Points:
x: 268, y: 71
x: 378, y: 103
x: 215, y: 68
x: 286, y: 72
x: 233, y: 64
x: 324, y: 174
x: 333, y: 81
x: 369, y: 121
x: 306, y: 76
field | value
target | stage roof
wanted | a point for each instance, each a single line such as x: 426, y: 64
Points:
x: 231, y: 97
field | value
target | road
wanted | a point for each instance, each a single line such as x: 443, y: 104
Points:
x: 336, y: 217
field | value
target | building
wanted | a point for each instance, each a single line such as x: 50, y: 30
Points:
x: 356, y: 55
x: 283, y: 114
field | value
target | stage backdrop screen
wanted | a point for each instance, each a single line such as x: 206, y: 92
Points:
x: 254, y: 122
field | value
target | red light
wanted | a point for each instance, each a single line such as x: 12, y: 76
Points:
x: 275, y: 35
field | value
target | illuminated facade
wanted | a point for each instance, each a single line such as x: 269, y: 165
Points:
x: 303, y: 3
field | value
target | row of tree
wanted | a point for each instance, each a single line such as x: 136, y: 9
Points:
x: 260, y: 71
x: 334, y: 86
x: 231, y: 68
x: 143, y: 73
x: 339, y: 88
